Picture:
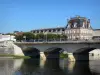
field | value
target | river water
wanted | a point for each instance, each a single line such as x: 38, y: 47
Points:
x: 48, y: 67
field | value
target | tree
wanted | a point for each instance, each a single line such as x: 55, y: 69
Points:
x: 58, y: 36
x: 49, y: 36
x: 29, y: 36
x: 39, y: 36
x: 19, y: 37
x: 63, y: 36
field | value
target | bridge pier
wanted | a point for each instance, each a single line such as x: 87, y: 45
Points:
x: 71, y: 57
x: 42, y: 56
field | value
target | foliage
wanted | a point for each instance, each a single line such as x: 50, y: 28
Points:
x: 39, y: 36
x: 19, y: 37
x: 29, y: 36
x: 62, y: 55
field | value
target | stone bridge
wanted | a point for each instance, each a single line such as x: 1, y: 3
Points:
x: 77, y: 50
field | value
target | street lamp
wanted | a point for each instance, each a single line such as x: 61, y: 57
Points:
x: 24, y: 38
x: 46, y: 36
x: 60, y: 37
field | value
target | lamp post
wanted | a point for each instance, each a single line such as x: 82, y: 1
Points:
x: 46, y: 37
x: 24, y: 38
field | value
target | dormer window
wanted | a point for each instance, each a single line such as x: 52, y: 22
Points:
x: 75, y: 25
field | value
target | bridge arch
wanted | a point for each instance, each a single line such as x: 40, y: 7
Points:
x: 32, y: 52
x: 53, y: 52
x: 84, y: 50
x: 83, y: 53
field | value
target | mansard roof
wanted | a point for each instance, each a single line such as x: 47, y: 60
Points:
x: 77, y: 22
x: 49, y: 28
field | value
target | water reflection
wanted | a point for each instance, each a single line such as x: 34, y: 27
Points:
x: 42, y: 63
x: 9, y: 66
x: 48, y: 67
x: 66, y: 65
x: 94, y: 57
x: 30, y: 67
x: 95, y: 67
x: 81, y: 68
x: 52, y: 68
x: 41, y: 67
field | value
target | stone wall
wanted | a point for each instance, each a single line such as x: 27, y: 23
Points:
x: 9, y: 48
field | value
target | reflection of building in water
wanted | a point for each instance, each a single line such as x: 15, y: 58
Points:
x: 42, y: 63
x: 9, y: 66
x: 71, y: 66
x: 64, y: 63
x: 95, y: 67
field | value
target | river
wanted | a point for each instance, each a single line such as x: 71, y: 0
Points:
x: 48, y: 67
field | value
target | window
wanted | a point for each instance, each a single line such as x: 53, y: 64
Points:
x: 54, y: 30
x: 62, y: 29
x: 41, y: 31
x: 58, y: 30
x: 49, y: 30
x: 37, y: 31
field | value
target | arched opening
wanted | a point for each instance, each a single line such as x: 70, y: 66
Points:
x: 83, y: 53
x: 53, y: 52
x: 32, y: 52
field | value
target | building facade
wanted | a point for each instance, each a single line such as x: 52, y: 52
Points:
x: 7, y: 38
x: 77, y: 28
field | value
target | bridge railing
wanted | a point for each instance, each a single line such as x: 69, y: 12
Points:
x: 68, y: 41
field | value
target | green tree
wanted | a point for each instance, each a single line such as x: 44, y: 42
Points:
x: 49, y: 36
x: 63, y: 36
x: 40, y: 36
x: 29, y: 36
x: 58, y: 36
x: 19, y: 37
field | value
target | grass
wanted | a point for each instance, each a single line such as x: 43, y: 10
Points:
x: 62, y: 55
x: 14, y: 56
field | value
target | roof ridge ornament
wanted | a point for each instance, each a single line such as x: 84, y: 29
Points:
x: 77, y: 16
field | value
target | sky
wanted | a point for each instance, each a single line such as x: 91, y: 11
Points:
x: 26, y: 15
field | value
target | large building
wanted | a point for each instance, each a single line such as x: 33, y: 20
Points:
x: 77, y: 28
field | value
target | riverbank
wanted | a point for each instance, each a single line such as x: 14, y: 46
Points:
x: 13, y: 56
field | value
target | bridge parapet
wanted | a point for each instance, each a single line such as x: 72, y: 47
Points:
x: 60, y: 42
